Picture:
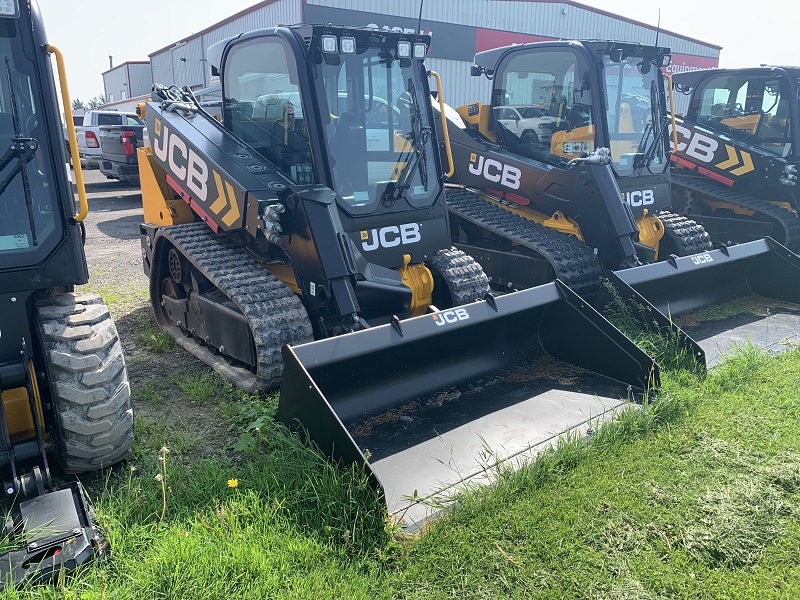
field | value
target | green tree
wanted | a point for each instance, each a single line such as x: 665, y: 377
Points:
x: 95, y: 102
x: 77, y: 104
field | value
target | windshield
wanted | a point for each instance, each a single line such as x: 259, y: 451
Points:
x: 635, y: 117
x: 755, y: 109
x: 27, y: 217
x: 378, y: 134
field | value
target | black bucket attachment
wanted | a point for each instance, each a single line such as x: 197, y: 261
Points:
x: 435, y: 401
x: 737, y: 295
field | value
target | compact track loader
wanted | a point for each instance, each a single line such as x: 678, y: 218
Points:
x: 735, y: 155
x: 315, y: 210
x: 566, y: 173
x: 64, y: 386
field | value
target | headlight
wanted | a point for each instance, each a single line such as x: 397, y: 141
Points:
x: 544, y: 126
x: 329, y: 44
x: 347, y: 45
x: 9, y: 8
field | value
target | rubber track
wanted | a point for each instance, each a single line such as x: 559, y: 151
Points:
x: 275, y: 313
x: 573, y: 262
x: 789, y: 222
x: 688, y: 235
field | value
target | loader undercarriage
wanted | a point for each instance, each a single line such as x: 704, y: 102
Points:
x: 733, y: 216
x: 223, y: 306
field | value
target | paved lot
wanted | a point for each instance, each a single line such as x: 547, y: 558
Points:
x: 112, y: 232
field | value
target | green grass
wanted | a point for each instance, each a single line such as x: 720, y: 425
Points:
x: 695, y: 496
x: 155, y: 339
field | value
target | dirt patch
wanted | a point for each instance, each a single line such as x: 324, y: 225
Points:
x: 164, y: 414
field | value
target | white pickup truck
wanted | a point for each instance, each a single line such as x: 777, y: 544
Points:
x: 89, y: 133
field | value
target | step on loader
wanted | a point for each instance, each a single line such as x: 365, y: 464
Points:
x: 566, y: 173
x: 735, y: 152
x: 315, y: 210
x: 63, y: 382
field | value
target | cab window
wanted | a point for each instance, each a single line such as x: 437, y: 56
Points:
x: 262, y: 106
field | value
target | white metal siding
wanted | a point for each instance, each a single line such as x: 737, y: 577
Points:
x: 195, y: 71
x: 141, y: 80
x: 458, y: 85
x: 112, y: 83
x: 551, y: 19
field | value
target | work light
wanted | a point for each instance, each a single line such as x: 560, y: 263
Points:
x: 347, y: 45
x: 328, y: 43
x: 9, y: 8
x: 420, y: 50
x: 403, y: 49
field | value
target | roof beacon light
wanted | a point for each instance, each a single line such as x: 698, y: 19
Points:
x: 403, y: 49
x: 420, y: 50
x: 329, y: 44
x: 9, y: 8
x: 347, y: 45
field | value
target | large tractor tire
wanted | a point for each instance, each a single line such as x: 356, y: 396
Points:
x: 457, y: 279
x: 92, y: 412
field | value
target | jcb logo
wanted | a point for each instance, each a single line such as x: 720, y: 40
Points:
x: 694, y: 144
x: 495, y: 171
x: 389, y: 237
x: 637, y: 198
x: 450, y: 316
x: 701, y: 259
x: 185, y: 164
x: 577, y: 147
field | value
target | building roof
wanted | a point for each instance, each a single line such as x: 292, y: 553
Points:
x: 127, y: 62
x: 586, y: 7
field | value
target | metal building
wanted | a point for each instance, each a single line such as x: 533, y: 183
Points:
x: 128, y: 80
x: 459, y: 29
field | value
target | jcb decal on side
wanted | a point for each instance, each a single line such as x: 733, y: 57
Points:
x: 495, y: 171
x: 184, y: 163
x: 699, y: 146
x: 701, y: 259
x: 389, y: 237
x: 694, y: 144
x: 450, y: 316
x: 639, y: 198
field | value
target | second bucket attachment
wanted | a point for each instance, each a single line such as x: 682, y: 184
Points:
x: 432, y: 402
x: 738, y: 295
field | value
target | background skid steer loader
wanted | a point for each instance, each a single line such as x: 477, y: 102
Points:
x: 316, y: 210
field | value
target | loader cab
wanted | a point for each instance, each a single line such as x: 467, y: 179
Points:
x: 754, y: 106
x: 592, y: 94
x: 342, y: 107
x: 40, y: 246
x: 551, y: 81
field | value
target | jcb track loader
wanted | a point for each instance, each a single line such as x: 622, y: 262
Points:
x: 541, y: 194
x: 736, y: 159
x: 63, y: 380
x: 316, y: 210
x: 542, y: 197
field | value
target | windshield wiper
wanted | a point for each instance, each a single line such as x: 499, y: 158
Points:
x: 657, y: 126
x: 419, y: 138
x: 23, y: 149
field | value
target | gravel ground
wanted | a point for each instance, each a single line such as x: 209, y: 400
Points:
x: 165, y: 415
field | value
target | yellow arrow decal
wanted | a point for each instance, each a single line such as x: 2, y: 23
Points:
x: 732, y: 161
x: 233, y: 214
x: 226, y: 197
x: 221, y: 201
x: 747, y: 165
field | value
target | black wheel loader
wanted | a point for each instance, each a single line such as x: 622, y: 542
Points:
x: 735, y: 154
x: 565, y: 173
x: 315, y: 210
x: 65, y: 392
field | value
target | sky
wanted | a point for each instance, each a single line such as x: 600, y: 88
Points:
x: 88, y: 31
